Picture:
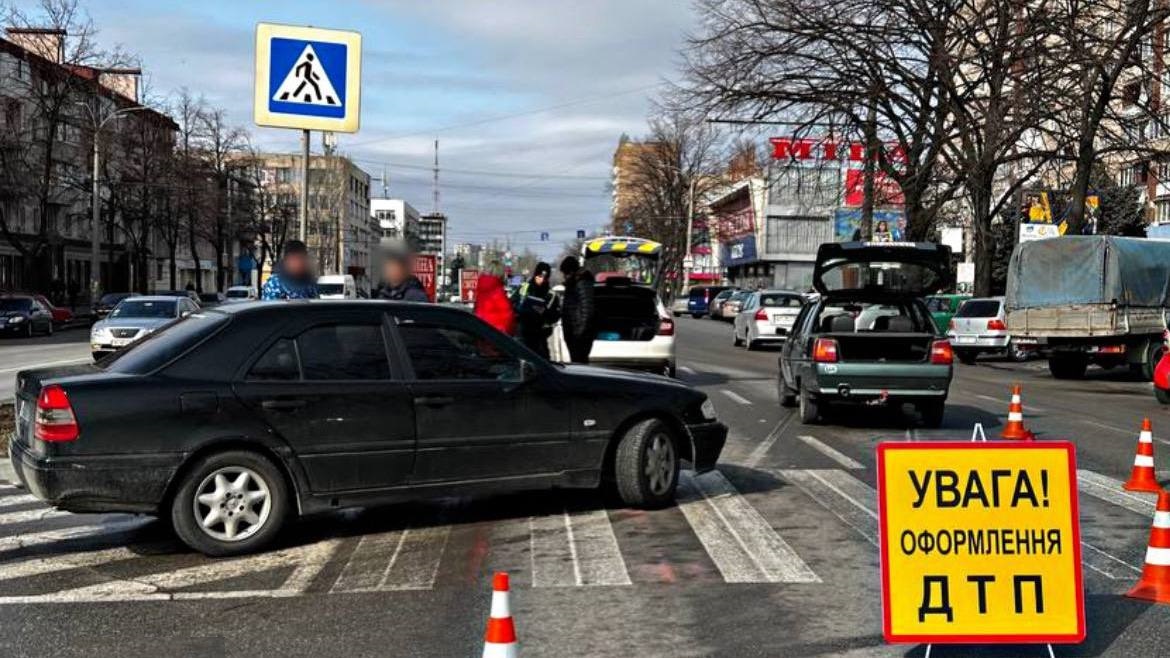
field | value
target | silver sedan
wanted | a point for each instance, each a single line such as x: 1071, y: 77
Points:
x: 135, y: 318
x: 767, y: 316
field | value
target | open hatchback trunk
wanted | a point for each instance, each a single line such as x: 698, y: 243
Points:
x: 910, y: 269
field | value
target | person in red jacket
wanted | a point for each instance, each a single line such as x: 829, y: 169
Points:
x: 492, y: 305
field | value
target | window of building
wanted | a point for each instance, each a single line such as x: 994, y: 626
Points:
x: 1162, y: 210
x: 796, y: 235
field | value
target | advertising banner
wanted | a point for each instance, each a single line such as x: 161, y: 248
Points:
x: 980, y: 542
x: 468, y: 279
x: 888, y: 225
x: 425, y: 268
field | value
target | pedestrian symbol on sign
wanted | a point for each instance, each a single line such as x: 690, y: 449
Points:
x: 304, y: 84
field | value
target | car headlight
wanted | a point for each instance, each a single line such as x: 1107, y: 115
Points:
x: 708, y: 409
x: 16, y: 319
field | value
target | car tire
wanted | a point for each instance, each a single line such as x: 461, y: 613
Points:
x: 646, y: 465
x: 671, y: 370
x: 749, y: 344
x: 697, y: 316
x: 49, y: 330
x: 1162, y: 396
x: 1067, y: 366
x: 1016, y: 353
x: 262, y: 495
x: 28, y: 330
x: 966, y: 357
x: 810, y: 411
x: 787, y: 397
x: 735, y: 341
x: 932, y: 413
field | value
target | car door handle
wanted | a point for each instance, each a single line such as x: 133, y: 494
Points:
x: 282, y: 404
x: 434, y: 400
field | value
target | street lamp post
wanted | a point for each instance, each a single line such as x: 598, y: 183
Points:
x: 99, y: 123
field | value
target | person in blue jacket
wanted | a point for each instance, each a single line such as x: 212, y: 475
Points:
x: 293, y: 278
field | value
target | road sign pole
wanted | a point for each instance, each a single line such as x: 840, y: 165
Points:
x: 304, y: 209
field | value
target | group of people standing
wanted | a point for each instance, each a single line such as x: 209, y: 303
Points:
x: 534, y: 309
x: 529, y: 315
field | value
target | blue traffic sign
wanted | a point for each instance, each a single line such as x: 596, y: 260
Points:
x: 307, y: 78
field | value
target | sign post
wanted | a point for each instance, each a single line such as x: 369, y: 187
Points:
x: 309, y: 79
x: 980, y: 543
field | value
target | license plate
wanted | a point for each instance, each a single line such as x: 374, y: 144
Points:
x: 966, y: 339
x: 120, y: 342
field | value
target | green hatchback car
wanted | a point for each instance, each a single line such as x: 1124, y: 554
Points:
x: 943, y: 307
x: 868, y: 340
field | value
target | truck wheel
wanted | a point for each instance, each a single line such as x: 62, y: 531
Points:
x: 932, y: 413
x: 1017, y: 353
x: 230, y: 503
x: 809, y: 408
x: 966, y: 357
x: 1067, y: 366
x: 1153, y: 355
x: 646, y: 465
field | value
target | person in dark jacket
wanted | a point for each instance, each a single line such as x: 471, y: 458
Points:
x: 577, y: 310
x: 534, y: 310
x: 400, y: 283
x: 293, y: 279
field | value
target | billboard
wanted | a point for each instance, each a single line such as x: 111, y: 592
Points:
x: 889, y: 225
x: 426, y: 268
x: 468, y: 280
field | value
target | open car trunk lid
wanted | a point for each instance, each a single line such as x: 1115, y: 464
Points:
x: 913, y: 269
x: 637, y: 259
x: 625, y: 310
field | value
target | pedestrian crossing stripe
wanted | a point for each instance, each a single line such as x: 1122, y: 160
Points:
x: 562, y: 549
x: 307, y: 78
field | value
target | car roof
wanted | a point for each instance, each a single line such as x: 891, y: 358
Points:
x: 301, y: 305
x: 152, y: 298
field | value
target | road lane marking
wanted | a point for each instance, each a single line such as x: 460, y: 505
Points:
x: 1110, y: 490
x: 762, y: 450
x: 574, y: 549
x: 1105, y: 564
x: 1109, y: 427
x: 740, y: 541
x: 831, y: 453
x: 12, y: 501
x: 846, y: 497
x: 1027, y: 407
x: 77, y: 532
x: 41, y: 514
x: 367, y: 565
x: 47, y: 364
x: 416, y: 561
x: 65, y: 562
x: 736, y: 396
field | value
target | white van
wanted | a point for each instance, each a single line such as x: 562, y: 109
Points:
x: 336, y: 286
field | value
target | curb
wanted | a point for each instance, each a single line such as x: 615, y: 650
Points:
x: 7, y: 474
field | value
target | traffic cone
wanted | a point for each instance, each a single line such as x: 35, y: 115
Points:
x: 1015, y: 429
x: 500, y: 639
x: 1142, y: 477
x: 1154, y: 584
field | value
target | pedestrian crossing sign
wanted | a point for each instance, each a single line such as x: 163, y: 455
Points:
x: 307, y: 78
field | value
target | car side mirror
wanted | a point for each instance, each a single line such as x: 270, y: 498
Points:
x: 184, y: 314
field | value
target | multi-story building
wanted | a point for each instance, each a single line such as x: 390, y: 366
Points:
x: 397, y: 221
x: 342, y: 234
x: 46, y: 211
x: 432, y: 239
x: 472, y: 254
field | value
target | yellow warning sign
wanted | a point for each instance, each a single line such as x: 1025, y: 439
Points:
x: 980, y: 542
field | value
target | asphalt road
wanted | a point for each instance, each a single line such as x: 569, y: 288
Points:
x: 65, y: 346
x: 773, y: 555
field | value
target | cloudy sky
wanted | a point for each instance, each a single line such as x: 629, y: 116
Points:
x: 527, y: 97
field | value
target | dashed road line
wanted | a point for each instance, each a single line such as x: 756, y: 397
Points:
x: 736, y: 396
x: 761, y: 450
x: 1110, y: 490
x: 830, y: 452
x: 846, y: 497
x: 1109, y: 427
x: 740, y: 541
x: 1027, y: 407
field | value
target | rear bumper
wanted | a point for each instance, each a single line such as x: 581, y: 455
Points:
x: 979, y: 341
x: 769, y: 331
x: 861, y: 381
x: 708, y: 440
x: 633, y: 353
x: 121, y: 483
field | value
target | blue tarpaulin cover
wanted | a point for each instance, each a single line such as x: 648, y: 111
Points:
x: 1091, y: 269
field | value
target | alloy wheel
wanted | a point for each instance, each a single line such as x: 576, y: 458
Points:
x: 660, y: 464
x: 232, y: 503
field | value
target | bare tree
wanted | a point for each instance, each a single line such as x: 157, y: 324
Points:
x: 222, y: 146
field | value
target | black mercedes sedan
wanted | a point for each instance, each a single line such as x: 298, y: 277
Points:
x: 232, y: 420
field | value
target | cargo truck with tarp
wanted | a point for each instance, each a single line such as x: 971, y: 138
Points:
x: 1097, y: 299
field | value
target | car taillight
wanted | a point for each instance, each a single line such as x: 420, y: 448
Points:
x: 665, y: 327
x: 825, y: 350
x: 55, y: 420
x: 761, y: 315
x: 996, y: 325
x: 941, y: 353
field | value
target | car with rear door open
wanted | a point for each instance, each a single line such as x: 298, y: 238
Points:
x: 231, y: 420
x: 869, y: 340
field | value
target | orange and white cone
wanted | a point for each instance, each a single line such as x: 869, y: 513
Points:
x: 1142, y: 477
x: 1154, y: 584
x: 1015, y: 429
x: 500, y: 639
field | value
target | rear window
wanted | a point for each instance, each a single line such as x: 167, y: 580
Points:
x: 158, y: 348
x: 18, y: 304
x: 979, y: 308
x: 145, y: 309
x: 780, y: 300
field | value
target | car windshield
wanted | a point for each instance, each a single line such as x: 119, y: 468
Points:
x: 979, y: 308
x: 112, y: 298
x: 160, y: 347
x: 331, y: 288
x: 237, y: 294
x: 774, y: 300
x: 19, y: 304
x: 132, y: 308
